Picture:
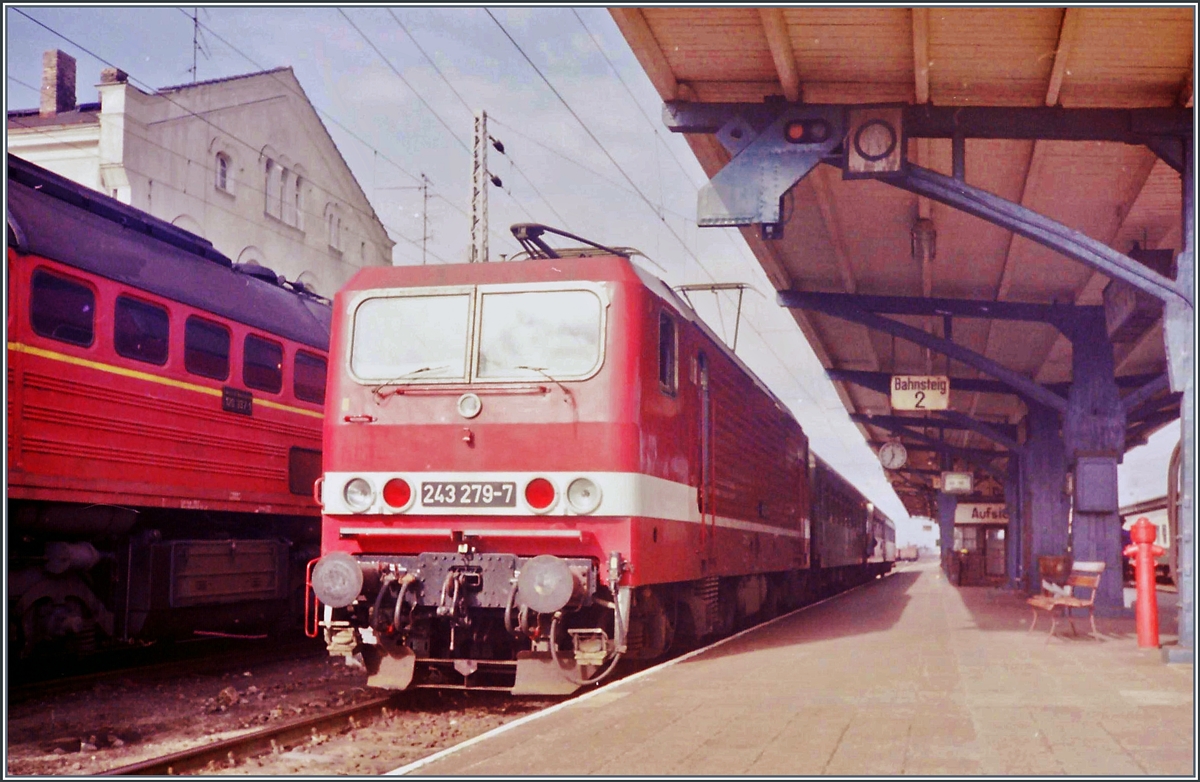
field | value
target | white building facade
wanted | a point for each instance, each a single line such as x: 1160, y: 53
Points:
x: 244, y: 162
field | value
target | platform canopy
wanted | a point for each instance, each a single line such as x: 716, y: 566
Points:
x: 864, y: 238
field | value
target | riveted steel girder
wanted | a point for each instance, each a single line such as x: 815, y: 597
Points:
x: 748, y: 190
x: 844, y: 306
x: 933, y: 444
x: 881, y: 381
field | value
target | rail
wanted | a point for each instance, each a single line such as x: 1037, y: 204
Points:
x: 276, y: 738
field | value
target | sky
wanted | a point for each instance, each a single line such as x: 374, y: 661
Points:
x: 398, y: 90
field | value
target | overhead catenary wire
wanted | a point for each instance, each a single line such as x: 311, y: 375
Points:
x: 400, y: 76
x: 646, y: 200
x: 633, y: 98
x: 430, y: 108
x: 467, y: 106
x: 562, y: 100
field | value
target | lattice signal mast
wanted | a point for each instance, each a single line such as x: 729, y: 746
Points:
x: 479, y: 191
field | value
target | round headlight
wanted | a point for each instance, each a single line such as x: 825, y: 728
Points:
x: 546, y: 584
x: 584, y: 495
x: 358, y: 494
x: 337, y: 579
x: 469, y: 405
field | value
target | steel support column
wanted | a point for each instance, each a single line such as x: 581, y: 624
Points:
x: 946, y: 505
x: 1179, y: 327
x: 1094, y: 436
x: 1043, y: 467
x: 1013, y: 536
x: 841, y: 306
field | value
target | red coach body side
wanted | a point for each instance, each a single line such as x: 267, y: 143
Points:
x: 88, y: 425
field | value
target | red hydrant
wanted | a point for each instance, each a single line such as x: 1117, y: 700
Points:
x: 1143, y: 551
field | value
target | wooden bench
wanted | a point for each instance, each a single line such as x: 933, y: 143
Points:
x: 1084, y: 575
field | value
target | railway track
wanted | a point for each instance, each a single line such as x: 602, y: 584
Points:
x: 200, y: 660
x: 229, y: 752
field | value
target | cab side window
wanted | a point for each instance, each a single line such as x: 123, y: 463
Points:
x: 262, y: 365
x: 309, y: 378
x: 206, y: 348
x: 667, y: 349
x: 141, y: 331
x: 61, y: 309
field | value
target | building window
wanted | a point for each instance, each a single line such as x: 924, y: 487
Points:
x: 141, y: 331
x: 287, y: 206
x: 222, y: 171
x: 308, y: 381
x: 299, y: 204
x: 262, y: 365
x: 206, y: 348
x: 333, y: 228
x: 273, y: 173
x: 61, y: 309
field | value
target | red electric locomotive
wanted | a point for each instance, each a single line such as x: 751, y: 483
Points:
x: 535, y: 468
x: 164, y: 413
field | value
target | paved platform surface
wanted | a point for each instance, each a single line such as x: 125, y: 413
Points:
x: 905, y: 675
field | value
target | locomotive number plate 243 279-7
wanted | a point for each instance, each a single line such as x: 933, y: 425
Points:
x: 468, y: 494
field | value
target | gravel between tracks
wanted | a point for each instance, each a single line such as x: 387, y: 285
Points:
x: 118, y: 723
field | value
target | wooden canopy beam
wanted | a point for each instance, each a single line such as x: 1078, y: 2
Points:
x: 775, y: 26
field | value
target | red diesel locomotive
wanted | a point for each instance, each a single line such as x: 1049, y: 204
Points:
x: 535, y: 468
x: 164, y: 413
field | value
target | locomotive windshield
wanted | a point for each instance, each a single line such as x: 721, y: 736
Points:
x: 418, y: 337
x: 518, y: 335
x: 556, y: 333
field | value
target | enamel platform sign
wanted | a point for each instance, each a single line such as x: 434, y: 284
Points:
x: 981, y: 513
x: 920, y: 392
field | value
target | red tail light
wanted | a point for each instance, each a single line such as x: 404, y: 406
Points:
x: 397, y: 493
x: 539, y: 493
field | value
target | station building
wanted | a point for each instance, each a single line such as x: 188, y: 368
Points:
x: 243, y: 161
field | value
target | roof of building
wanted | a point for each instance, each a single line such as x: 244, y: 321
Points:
x: 179, y: 87
x: 83, y: 114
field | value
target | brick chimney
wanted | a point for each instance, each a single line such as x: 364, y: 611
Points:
x: 113, y: 76
x: 58, y: 83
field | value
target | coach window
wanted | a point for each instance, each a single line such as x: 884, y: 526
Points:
x: 308, y: 381
x: 61, y: 309
x: 262, y: 367
x: 206, y: 348
x: 141, y: 331
x: 666, y: 354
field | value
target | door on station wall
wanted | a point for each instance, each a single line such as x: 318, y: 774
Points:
x: 995, y: 551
